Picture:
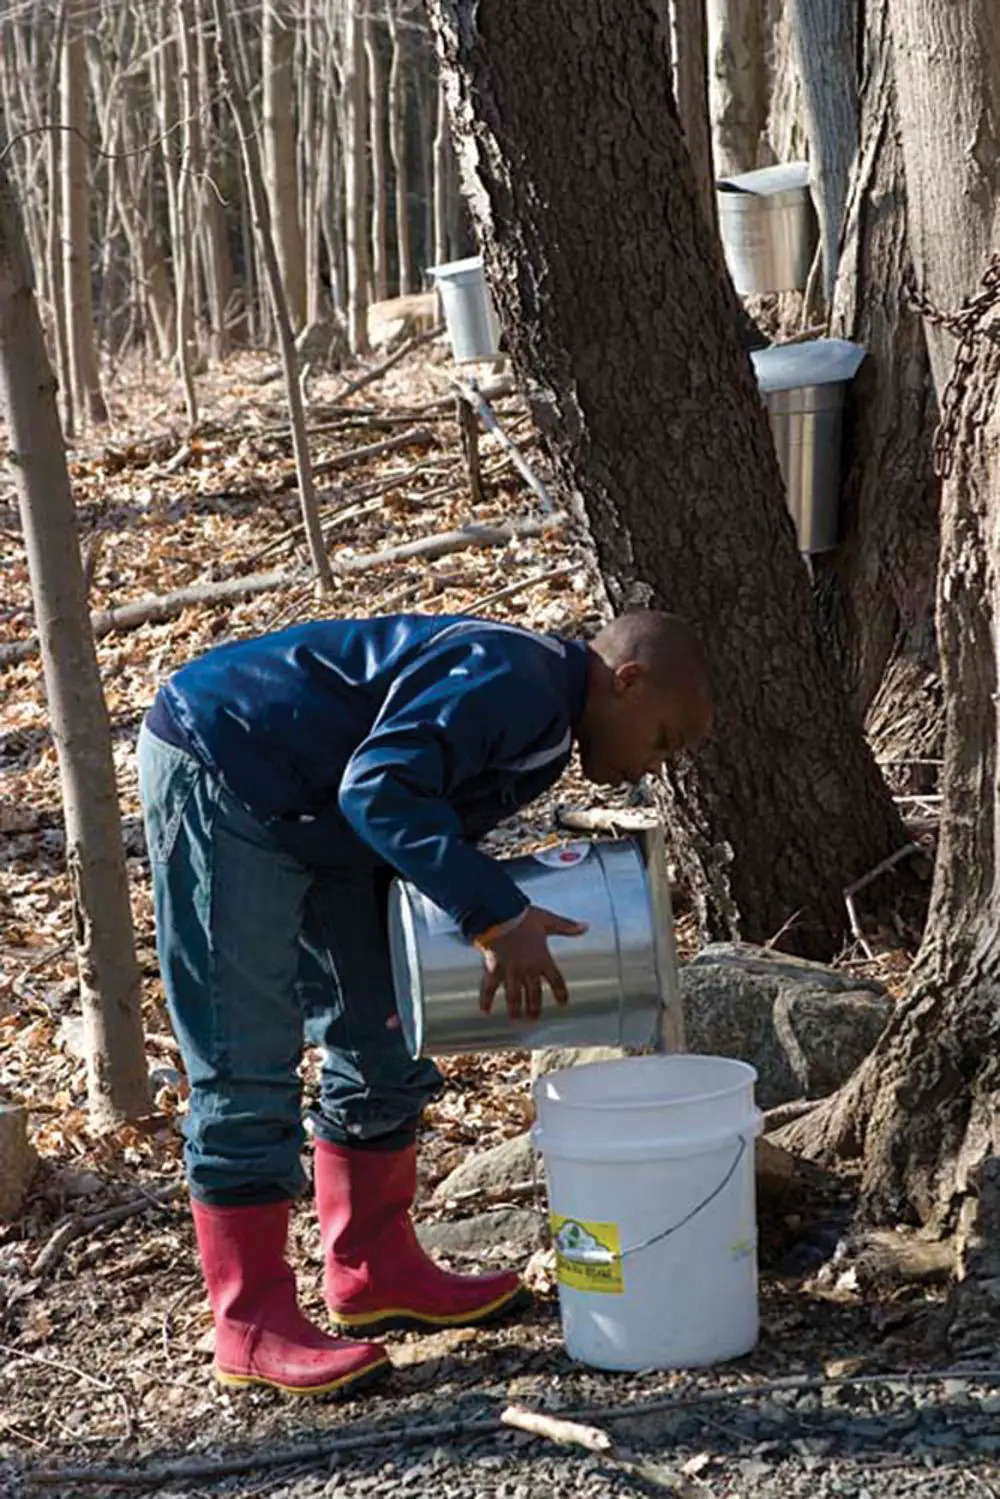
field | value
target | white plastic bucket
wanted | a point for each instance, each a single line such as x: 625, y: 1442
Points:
x: 650, y: 1170
x: 469, y: 314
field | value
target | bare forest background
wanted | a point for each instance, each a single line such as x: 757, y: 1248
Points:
x: 137, y: 208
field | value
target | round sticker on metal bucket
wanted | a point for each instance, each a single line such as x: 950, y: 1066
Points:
x: 563, y: 857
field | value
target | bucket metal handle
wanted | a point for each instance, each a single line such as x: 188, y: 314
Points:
x: 604, y: 1256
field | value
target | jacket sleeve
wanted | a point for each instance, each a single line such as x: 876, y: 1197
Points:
x: 443, y: 723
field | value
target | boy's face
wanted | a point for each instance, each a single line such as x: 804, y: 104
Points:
x: 632, y: 727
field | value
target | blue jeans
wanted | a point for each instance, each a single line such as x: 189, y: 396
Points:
x: 259, y: 953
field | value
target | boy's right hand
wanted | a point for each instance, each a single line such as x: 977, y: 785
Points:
x: 518, y: 958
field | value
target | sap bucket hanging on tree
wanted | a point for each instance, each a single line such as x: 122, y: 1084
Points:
x: 473, y: 326
x: 650, y: 1169
x: 803, y: 387
x: 621, y: 974
x: 769, y: 227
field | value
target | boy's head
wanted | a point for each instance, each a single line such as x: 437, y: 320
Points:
x: 648, y: 697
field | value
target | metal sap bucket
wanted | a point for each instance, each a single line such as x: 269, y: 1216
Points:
x: 803, y: 387
x: 621, y: 976
x: 471, y: 319
x: 769, y: 227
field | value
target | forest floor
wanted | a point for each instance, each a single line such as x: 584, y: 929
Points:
x: 105, y: 1336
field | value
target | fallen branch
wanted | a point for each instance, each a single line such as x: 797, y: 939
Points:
x: 555, y: 1429
x: 521, y: 585
x: 359, y: 1441
x: 370, y: 376
x: 80, y: 1224
x: 155, y: 610
x: 484, y: 411
x: 446, y: 542
x: 407, y: 439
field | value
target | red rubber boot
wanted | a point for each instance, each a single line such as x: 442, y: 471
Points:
x: 261, y: 1336
x: 377, y: 1277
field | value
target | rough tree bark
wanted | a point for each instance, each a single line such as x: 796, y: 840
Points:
x: 948, y: 83
x: 690, y: 46
x: 876, y: 592
x: 922, y: 1111
x: 825, y: 44
x: 623, y: 326
x: 737, y: 83
x: 110, y: 996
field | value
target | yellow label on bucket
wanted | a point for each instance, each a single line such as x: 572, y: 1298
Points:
x: 588, y: 1255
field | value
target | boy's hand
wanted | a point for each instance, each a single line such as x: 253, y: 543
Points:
x: 518, y: 957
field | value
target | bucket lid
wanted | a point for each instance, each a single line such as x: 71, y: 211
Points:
x: 767, y: 182
x: 822, y: 361
x: 450, y: 270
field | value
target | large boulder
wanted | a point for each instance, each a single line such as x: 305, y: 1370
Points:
x: 804, y: 1027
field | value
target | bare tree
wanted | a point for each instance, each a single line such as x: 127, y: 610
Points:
x: 117, y: 1078
x: 87, y: 398
x: 280, y: 170
x: 442, y: 145
x: 355, y: 181
x: 397, y: 148
x: 262, y: 225
x: 377, y: 144
x: 188, y: 184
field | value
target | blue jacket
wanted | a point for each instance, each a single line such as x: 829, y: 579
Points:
x: 390, y: 741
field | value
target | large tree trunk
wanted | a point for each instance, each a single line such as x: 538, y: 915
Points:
x: 948, y: 78
x: 110, y: 996
x: 922, y: 1111
x: 622, y: 322
x: 876, y: 592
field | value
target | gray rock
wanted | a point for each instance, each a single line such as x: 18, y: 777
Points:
x: 492, y: 1171
x: 520, y: 1230
x: 805, y: 1027
x: 555, y: 1058
x: 80, y: 1183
